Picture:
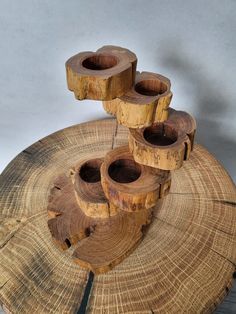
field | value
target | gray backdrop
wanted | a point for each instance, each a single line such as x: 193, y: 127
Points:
x: 191, y: 42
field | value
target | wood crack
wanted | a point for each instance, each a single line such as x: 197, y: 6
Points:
x: 114, y: 136
x: 27, y: 152
x: 87, y: 292
x: 229, y: 203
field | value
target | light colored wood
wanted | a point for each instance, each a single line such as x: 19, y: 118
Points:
x: 183, y: 265
x: 164, y: 145
x: 130, y: 186
x: 145, y: 103
x: 101, y: 75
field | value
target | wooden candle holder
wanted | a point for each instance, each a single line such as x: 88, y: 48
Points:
x: 145, y: 103
x: 128, y: 180
x: 164, y: 145
x: 102, y: 75
x: 131, y: 186
x: 102, y: 189
x: 88, y: 190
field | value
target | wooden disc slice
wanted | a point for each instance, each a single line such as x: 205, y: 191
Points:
x: 129, y: 185
x: 88, y: 190
x: 122, y: 51
x: 145, y: 103
x: 164, y: 145
x: 101, y: 75
x: 184, y: 264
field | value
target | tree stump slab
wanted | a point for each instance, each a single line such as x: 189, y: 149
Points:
x: 185, y: 263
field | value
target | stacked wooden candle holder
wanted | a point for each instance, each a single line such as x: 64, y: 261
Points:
x: 101, y: 209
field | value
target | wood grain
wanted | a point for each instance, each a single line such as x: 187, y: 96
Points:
x: 102, y: 75
x: 183, y: 265
x: 145, y: 103
x: 88, y: 190
x: 122, y: 51
x: 92, y: 239
x: 130, y: 186
x: 164, y: 145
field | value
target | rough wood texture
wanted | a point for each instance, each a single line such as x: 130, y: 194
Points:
x: 78, y: 209
x: 101, y: 75
x: 145, y: 103
x: 94, y: 242
x: 183, y: 265
x: 88, y: 189
x: 164, y: 145
x: 130, y: 186
x: 122, y: 51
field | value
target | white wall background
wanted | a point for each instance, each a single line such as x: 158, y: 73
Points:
x: 191, y: 42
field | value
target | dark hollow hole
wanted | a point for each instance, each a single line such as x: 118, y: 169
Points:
x: 160, y: 134
x: 234, y: 275
x: 90, y: 171
x: 124, y: 171
x: 185, y: 151
x: 67, y: 241
x: 150, y: 87
x: 99, y: 62
x: 87, y: 232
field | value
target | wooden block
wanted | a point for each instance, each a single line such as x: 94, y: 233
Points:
x: 164, y: 145
x: 88, y: 189
x: 145, y: 103
x: 102, y: 75
x: 129, y: 185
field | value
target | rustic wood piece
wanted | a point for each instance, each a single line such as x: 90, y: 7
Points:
x: 101, y: 75
x: 164, y: 145
x: 145, y: 103
x: 130, y: 186
x: 112, y: 241
x: 92, y: 240
x: 122, y: 51
x: 88, y: 189
x: 184, y: 264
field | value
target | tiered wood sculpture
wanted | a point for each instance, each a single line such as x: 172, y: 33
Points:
x: 110, y: 200
x: 102, y: 207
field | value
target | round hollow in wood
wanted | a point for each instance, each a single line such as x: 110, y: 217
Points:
x: 145, y: 103
x: 160, y: 134
x: 164, y: 145
x: 88, y: 190
x: 100, y: 62
x: 90, y: 170
x: 102, y: 75
x: 122, y: 51
x: 129, y: 185
x: 150, y: 87
x: 124, y: 170
x: 184, y: 264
